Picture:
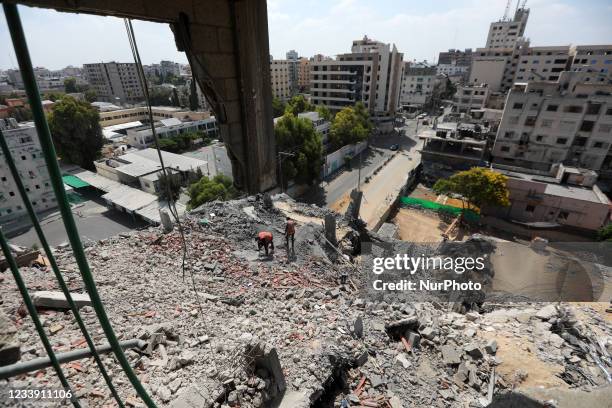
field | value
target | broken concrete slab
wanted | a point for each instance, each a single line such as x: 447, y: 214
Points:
x: 57, y: 300
x: 200, y: 395
x: 473, y: 351
x: 450, y: 354
x: 547, y: 312
x: 10, y: 351
x: 491, y: 347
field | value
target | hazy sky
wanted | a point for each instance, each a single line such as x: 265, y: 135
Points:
x: 420, y: 29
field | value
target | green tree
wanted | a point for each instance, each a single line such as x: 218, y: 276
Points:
x: 293, y: 134
x: 53, y: 96
x: 347, y: 128
x: 70, y: 85
x: 76, y: 131
x: 298, y: 104
x: 169, y: 187
x: 364, y: 116
x: 91, y: 95
x: 161, y: 96
x: 324, y: 112
x: 204, y: 190
x: 477, y: 186
x: 605, y: 233
x: 278, y: 107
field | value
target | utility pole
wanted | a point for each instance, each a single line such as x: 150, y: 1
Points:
x: 359, y: 172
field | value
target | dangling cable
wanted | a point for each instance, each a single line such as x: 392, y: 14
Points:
x: 143, y: 82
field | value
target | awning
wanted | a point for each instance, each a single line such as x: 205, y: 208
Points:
x: 74, y: 181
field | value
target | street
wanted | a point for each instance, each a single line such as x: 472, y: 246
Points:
x: 334, y: 192
x: 93, y: 219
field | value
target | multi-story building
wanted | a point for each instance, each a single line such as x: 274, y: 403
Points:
x: 541, y: 63
x: 114, y: 82
x: 303, y: 74
x: 452, y: 70
x: 280, y: 78
x: 456, y: 57
x: 505, y: 33
x: 371, y: 73
x: 321, y: 125
x: 594, y: 58
x: 293, y: 60
x: 25, y: 150
x: 566, y: 121
x: 169, y: 68
x: 470, y: 97
x: 418, y: 82
x: 141, y: 137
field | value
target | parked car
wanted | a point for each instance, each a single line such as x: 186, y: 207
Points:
x: 394, y: 147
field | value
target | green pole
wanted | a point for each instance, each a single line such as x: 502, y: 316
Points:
x: 44, y: 135
x: 54, y: 267
x: 23, y: 289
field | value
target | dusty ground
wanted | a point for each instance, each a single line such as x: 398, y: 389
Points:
x: 422, y: 226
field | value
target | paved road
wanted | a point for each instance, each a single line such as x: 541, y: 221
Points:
x: 94, y: 222
x: 332, y: 191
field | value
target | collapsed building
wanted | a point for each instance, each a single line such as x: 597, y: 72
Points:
x: 225, y: 327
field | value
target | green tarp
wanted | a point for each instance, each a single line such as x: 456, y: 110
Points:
x: 74, y: 181
x: 430, y: 205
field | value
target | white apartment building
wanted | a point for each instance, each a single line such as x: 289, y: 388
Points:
x: 114, y: 82
x: 141, y: 137
x: 141, y: 113
x: 321, y: 125
x: 25, y: 150
x: 470, y: 97
x: 505, y: 33
x: 280, y: 78
x: 567, y: 121
x: 541, y: 63
x: 169, y: 67
x: 594, y: 58
x: 371, y: 73
x: 452, y: 69
x: 418, y: 81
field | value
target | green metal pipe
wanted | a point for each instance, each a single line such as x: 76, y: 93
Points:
x: 54, y: 267
x: 44, y: 135
x: 23, y: 289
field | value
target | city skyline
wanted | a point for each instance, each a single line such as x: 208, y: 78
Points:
x: 330, y: 29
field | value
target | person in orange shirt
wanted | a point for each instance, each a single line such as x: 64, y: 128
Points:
x: 265, y: 239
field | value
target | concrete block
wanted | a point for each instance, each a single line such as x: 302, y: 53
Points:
x: 232, y: 110
x: 220, y: 66
x: 168, y: 10
x: 230, y: 89
x: 57, y: 300
x: 226, y: 39
x: 212, y: 12
x: 10, y: 351
x: 204, y: 38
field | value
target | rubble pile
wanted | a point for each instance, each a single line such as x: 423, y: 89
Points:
x: 226, y: 327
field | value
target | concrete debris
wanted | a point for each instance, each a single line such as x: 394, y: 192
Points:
x: 287, y: 332
x: 57, y: 300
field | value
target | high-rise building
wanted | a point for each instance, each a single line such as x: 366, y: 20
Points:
x: 371, y: 73
x: 293, y: 65
x: 566, y: 121
x: 279, y: 77
x: 169, y: 68
x: 114, y: 82
x: 25, y: 150
x: 303, y: 74
x: 505, y: 33
x: 594, y: 58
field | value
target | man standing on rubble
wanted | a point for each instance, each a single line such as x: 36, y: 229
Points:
x: 290, y: 234
x: 265, y: 239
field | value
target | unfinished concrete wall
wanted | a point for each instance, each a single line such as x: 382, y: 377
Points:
x: 226, y: 42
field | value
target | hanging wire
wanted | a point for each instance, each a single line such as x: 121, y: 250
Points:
x: 143, y: 82
x: 44, y: 136
x: 34, y: 315
x: 54, y: 267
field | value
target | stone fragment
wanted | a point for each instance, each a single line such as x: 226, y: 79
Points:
x: 428, y: 333
x: 491, y: 347
x: 401, y: 359
x: 57, y: 300
x: 547, y: 312
x: 358, y: 327
x: 450, y: 354
x: 473, y: 351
